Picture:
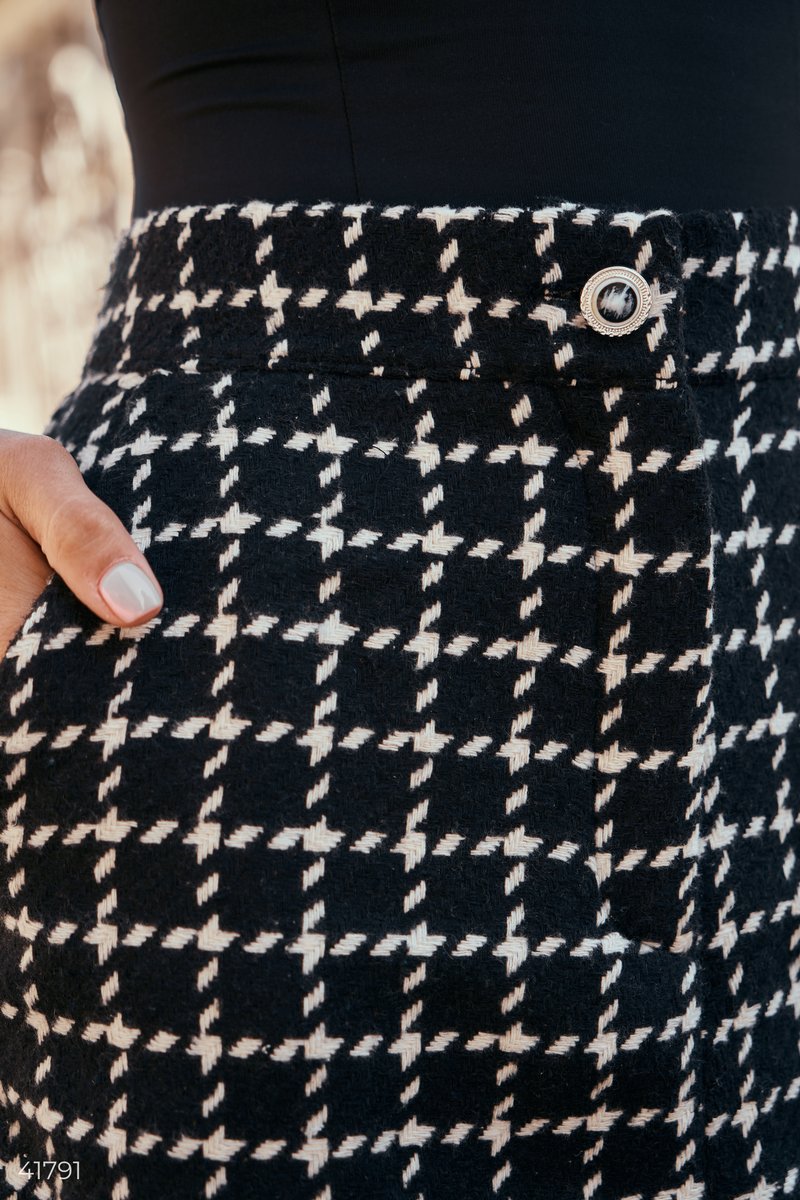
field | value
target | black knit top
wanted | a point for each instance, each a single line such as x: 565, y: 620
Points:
x: 684, y: 105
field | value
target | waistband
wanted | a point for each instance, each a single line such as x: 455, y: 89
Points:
x: 450, y: 293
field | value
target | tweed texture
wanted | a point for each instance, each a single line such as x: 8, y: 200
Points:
x: 439, y: 837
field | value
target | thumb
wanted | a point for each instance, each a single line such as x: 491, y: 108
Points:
x: 43, y: 491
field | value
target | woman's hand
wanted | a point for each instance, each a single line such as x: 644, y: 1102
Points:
x: 50, y: 520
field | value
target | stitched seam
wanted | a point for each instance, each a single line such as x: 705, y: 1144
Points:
x: 344, y: 98
x: 796, y: 12
x: 405, y: 371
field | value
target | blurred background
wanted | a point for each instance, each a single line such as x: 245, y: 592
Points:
x: 66, y: 188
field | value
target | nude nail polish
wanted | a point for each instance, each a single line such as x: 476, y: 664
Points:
x: 128, y: 591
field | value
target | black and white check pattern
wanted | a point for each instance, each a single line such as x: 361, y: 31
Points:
x: 438, y: 839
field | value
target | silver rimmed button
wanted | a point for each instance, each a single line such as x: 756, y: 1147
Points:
x: 616, y: 300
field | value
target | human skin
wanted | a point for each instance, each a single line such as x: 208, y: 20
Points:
x: 50, y: 520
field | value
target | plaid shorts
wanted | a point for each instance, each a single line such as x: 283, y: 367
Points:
x: 438, y: 838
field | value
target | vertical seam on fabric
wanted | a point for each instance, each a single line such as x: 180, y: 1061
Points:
x: 796, y: 16
x: 696, y: 1064
x: 344, y: 97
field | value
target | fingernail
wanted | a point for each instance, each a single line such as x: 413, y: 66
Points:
x: 127, y: 590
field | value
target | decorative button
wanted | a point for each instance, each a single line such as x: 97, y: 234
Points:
x: 616, y: 300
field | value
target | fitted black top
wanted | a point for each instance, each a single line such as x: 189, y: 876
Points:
x: 489, y: 102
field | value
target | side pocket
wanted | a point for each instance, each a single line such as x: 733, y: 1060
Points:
x: 25, y: 643
x: 86, y: 424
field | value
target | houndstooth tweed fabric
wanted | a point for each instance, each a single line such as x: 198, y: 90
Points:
x: 438, y: 839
